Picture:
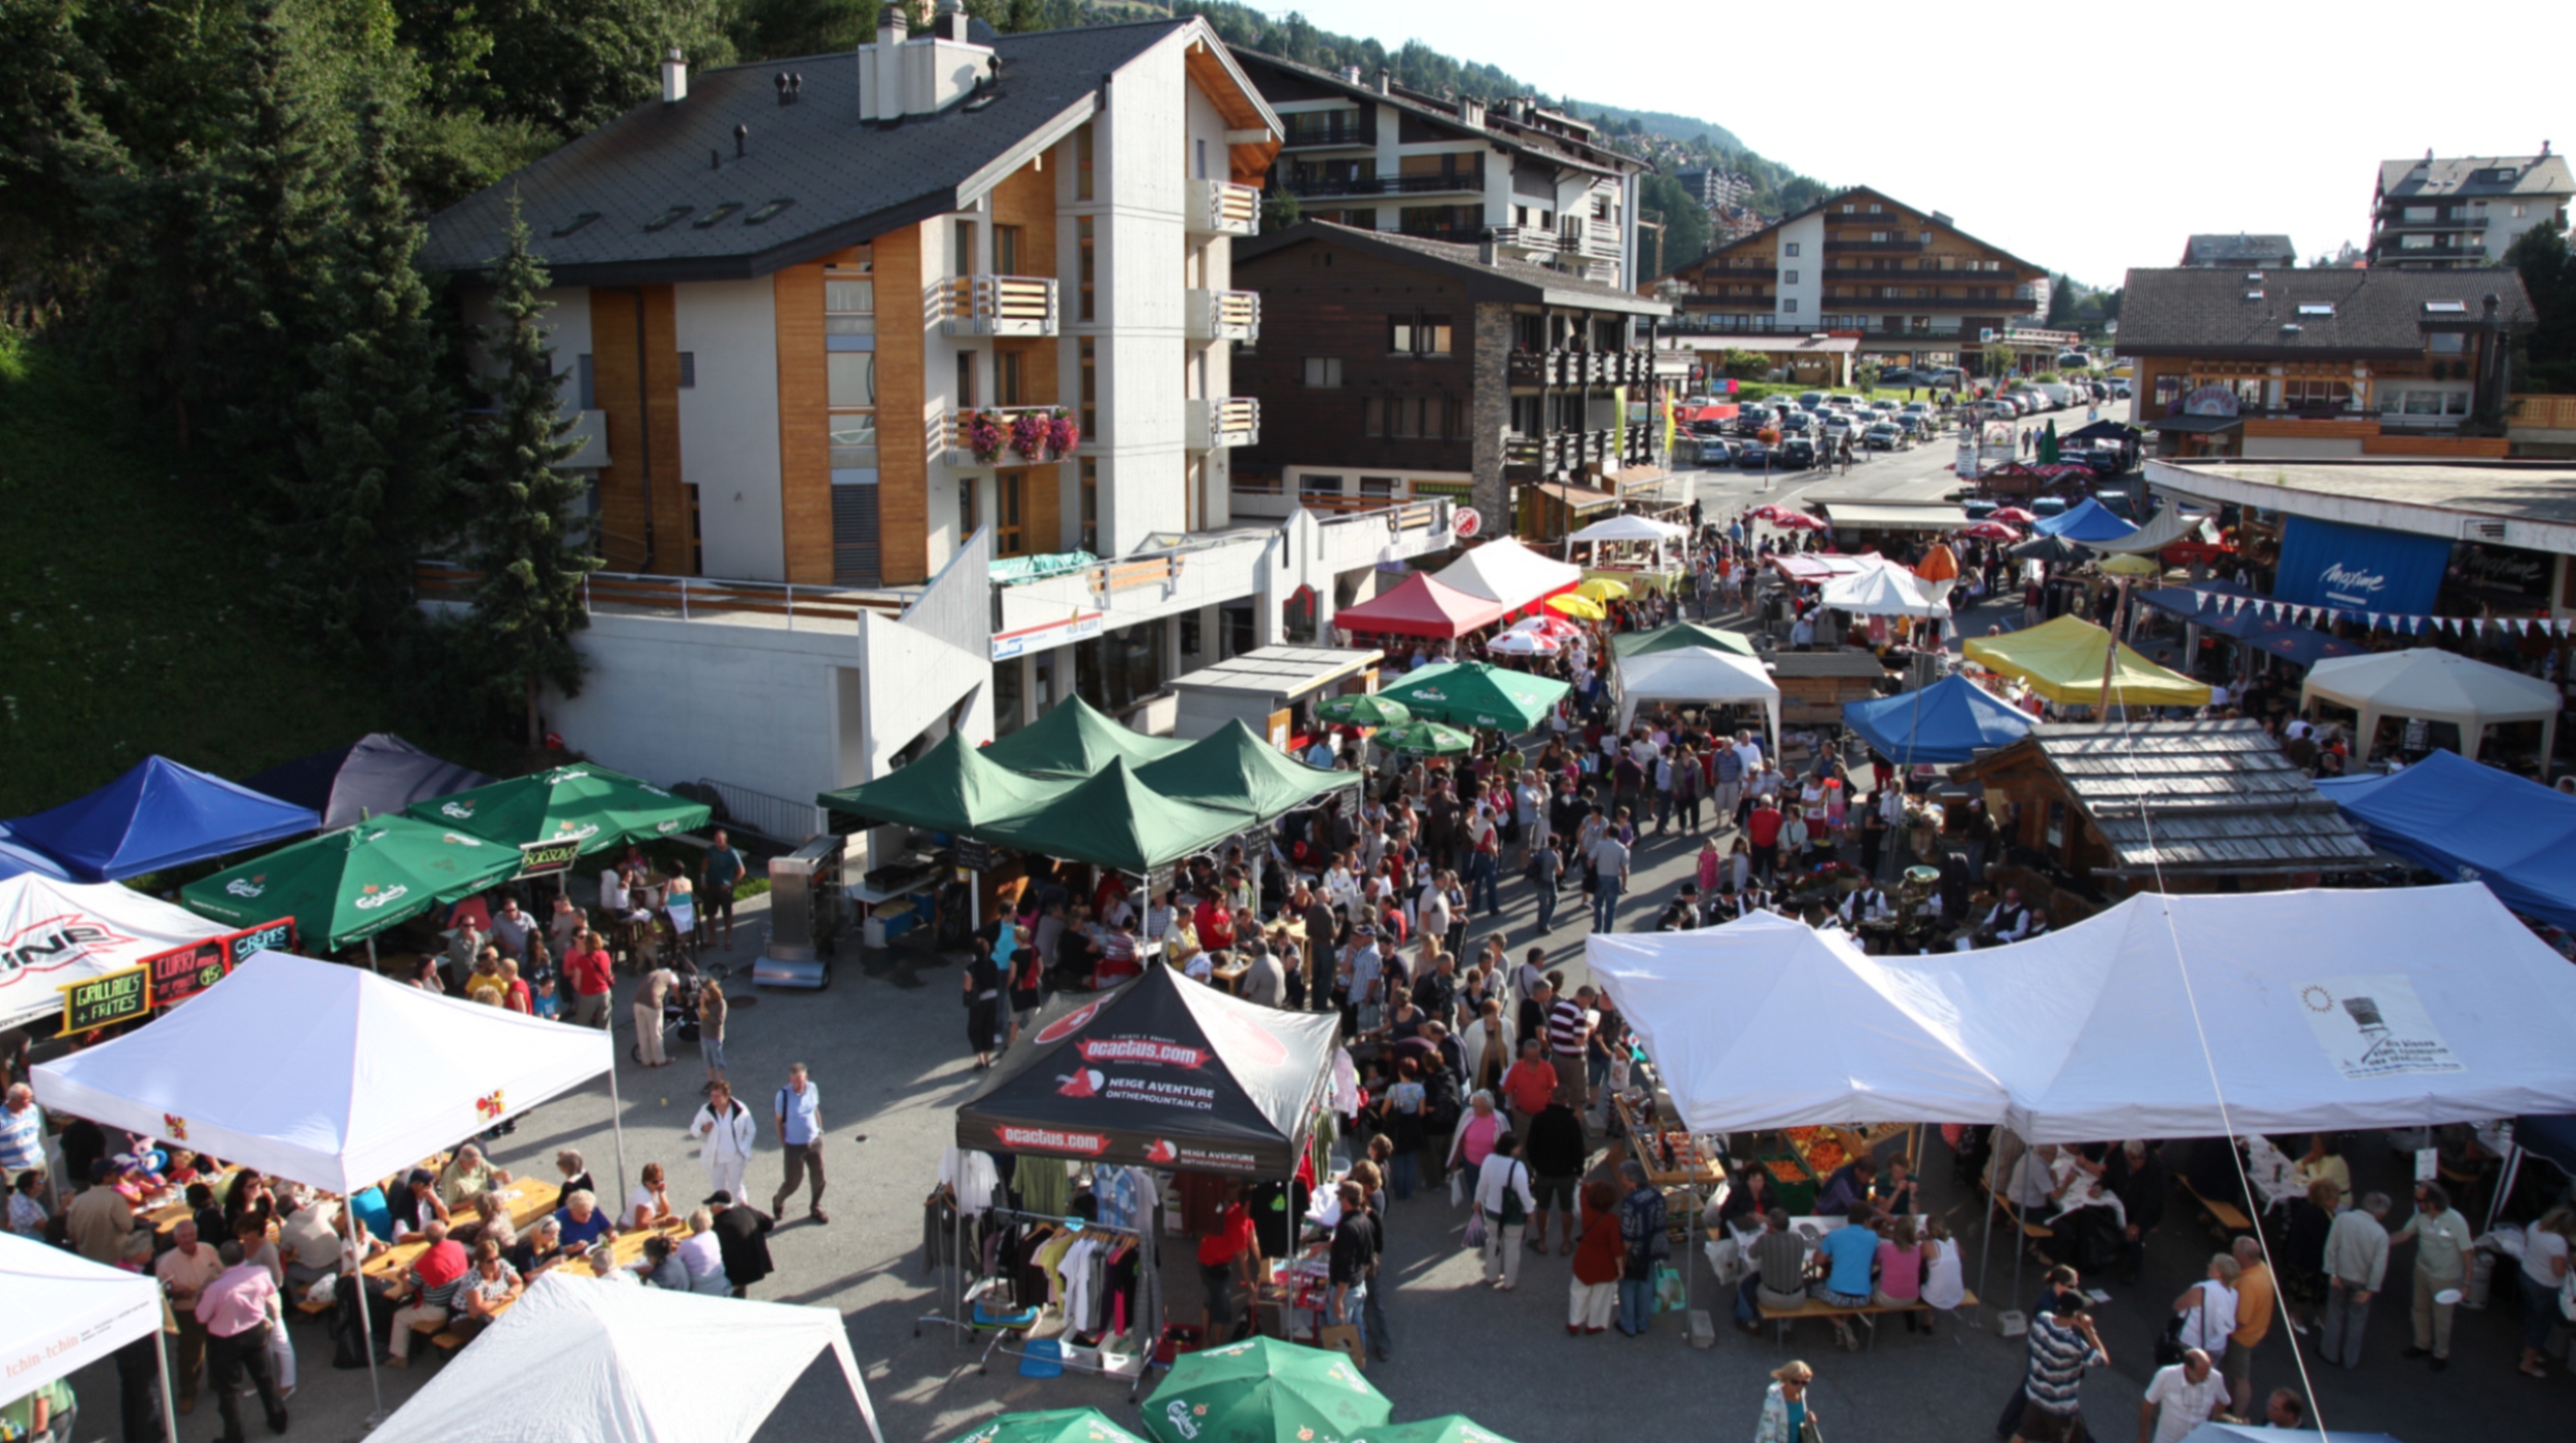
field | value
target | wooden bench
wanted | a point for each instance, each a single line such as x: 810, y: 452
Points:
x: 2230, y: 1219
x: 1814, y: 1307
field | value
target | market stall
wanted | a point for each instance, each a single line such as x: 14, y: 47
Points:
x: 1422, y: 605
x: 1272, y: 689
x: 346, y: 887
x: 1478, y: 694
x: 1074, y: 739
x: 1236, y: 772
x: 158, y: 815
x: 1680, y: 634
x: 69, y: 934
x: 1697, y: 676
x: 66, y: 1312
x: 1508, y: 574
x: 1637, y: 550
x: 1815, y: 686
x: 2456, y: 818
x: 2064, y: 661
x: 377, y: 775
x: 2434, y: 685
x: 1949, y: 721
x: 2088, y: 521
x: 576, y: 1361
x: 18, y: 860
x: 1887, y: 590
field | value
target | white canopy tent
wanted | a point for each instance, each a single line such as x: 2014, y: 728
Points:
x: 65, y: 1312
x: 1631, y: 528
x: 343, y: 1077
x: 580, y: 1360
x: 1888, y: 590
x: 1696, y: 674
x: 58, y: 933
x: 2438, y: 686
x: 1505, y: 572
x: 2324, y: 1011
x: 1730, y: 1016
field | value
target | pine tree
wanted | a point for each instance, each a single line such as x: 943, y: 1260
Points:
x: 530, y: 600
x: 374, y: 479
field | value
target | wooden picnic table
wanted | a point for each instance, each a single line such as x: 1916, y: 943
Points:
x: 530, y: 1199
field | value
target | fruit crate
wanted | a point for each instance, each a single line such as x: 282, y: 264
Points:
x: 1791, y: 1183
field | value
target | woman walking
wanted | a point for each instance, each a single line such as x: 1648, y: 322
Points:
x: 1785, y: 1415
x: 1504, y: 1201
x: 712, y: 1008
x: 983, y: 985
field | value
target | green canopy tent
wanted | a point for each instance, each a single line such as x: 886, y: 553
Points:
x: 1074, y: 740
x: 1234, y: 770
x: 584, y: 804
x: 951, y: 788
x: 1114, y: 820
x: 1478, y: 694
x: 1680, y: 634
x: 346, y: 886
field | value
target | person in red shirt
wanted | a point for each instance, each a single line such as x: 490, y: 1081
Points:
x: 1232, y: 1253
x: 591, y: 975
x: 1529, y: 1085
x: 1763, y: 826
x: 1215, y: 923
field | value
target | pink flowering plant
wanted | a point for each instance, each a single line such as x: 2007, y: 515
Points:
x: 1063, y: 433
x: 1029, y: 435
x: 982, y: 433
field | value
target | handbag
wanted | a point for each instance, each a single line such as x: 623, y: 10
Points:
x: 1476, y: 1228
x: 2169, y: 1348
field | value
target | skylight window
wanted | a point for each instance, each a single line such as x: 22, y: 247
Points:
x: 718, y: 214
x: 768, y: 211
x: 2446, y: 308
x: 668, y: 218
x: 576, y: 223
x: 2316, y: 308
x: 2253, y: 295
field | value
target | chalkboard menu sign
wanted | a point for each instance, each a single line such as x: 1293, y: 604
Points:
x: 108, y: 998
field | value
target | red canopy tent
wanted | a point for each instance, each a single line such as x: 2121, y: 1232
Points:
x: 1422, y: 606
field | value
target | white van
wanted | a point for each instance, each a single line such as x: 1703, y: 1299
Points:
x: 2060, y: 394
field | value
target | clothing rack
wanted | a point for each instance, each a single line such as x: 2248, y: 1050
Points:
x: 964, y: 1283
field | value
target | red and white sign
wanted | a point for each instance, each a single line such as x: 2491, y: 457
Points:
x: 1465, y: 522
x: 1141, y: 1049
x: 55, y: 933
x: 1052, y: 1139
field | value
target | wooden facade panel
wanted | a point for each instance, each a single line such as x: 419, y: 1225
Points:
x: 903, y: 456
x: 1339, y: 310
x: 804, y: 440
x: 643, y: 431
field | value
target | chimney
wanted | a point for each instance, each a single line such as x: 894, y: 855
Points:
x: 1351, y: 73
x: 675, y: 78
x: 1487, y: 252
x: 952, y: 24
x: 1386, y: 82
x: 893, y: 21
x: 1471, y: 112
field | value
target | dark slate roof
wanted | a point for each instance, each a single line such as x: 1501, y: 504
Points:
x: 2378, y: 312
x: 2217, y: 796
x: 2459, y: 176
x: 2229, y: 250
x: 849, y: 180
x: 1930, y: 217
x: 1504, y: 132
x: 1507, y: 279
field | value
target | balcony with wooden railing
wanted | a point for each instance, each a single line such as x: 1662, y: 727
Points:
x: 994, y: 305
x: 1218, y: 207
x: 1218, y: 422
x: 1224, y: 315
x: 1529, y: 240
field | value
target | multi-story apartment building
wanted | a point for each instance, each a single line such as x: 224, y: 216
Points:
x: 1365, y: 152
x: 845, y: 331
x: 1394, y: 366
x: 1713, y: 187
x: 1900, y: 279
x: 2321, y: 364
x: 2243, y: 251
x: 2452, y: 214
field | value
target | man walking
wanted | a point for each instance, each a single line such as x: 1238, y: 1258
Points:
x: 234, y: 1310
x: 724, y: 873
x: 2255, y: 1300
x: 2356, y: 1264
x: 1610, y: 878
x: 185, y: 1272
x: 728, y: 1130
x: 2180, y: 1398
x: 2063, y: 1344
x: 1569, y: 1041
x: 799, y: 1110
x: 1643, y: 1236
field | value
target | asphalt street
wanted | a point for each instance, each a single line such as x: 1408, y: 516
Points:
x: 886, y: 1045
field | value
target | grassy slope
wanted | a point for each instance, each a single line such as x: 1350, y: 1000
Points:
x: 127, y: 621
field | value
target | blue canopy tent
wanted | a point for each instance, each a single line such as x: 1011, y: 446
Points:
x: 158, y: 815
x: 1948, y: 721
x: 2551, y: 1137
x: 2467, y: 822
x: 2091, y: 521
x: 16, y: 858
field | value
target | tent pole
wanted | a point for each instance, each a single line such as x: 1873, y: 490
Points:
x: 1986, y: 1250
x: 169, y: 1408
x: 616, y: 1103
x: 366, y: 1314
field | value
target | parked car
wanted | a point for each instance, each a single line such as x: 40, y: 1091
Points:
x: 1836, y: 424
x: 2120, y: 390
x: 1918, y: 408
x: 1752, y: 455
x: 1715, y: 452
x: 1885, y: 437
x: 1797, y: 454
x: 1810, y: 400
x: 1980, y: 507
x: 1898, y: 376
x: 1796, y: 423
x: 2047, y: 505
x: 1913, y: 423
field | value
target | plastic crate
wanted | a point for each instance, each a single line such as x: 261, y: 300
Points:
x: 1799, y: 1198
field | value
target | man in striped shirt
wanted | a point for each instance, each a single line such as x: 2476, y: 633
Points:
x: 1569, y: 1035
x: 2063, y: 1345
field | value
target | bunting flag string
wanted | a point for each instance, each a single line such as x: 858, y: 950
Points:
x: 2231, y: 604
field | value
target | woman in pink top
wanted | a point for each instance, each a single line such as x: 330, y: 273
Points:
x: 1476, y: 1132
x: 1900, y: 1271
x: 1708, y: 865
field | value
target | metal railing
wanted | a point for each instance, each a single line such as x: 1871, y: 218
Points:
x: 685, y: 598
x: 779, y: 819
x: 1223, y: 208
x: 1537, y: 239
x: 1331, y: 127
x: 1312, y: 185
x: 993, y: 305
x: 1863, y: 243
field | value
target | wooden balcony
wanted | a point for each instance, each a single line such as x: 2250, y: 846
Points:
x: 995, y: 306
x: 1224, y: 315
x: 952, y: 444
x: 1218, y: 422
x: 1217, y: 207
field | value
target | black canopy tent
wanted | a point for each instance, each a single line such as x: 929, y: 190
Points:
x: 375, y: 776
x: 1164, y: 1073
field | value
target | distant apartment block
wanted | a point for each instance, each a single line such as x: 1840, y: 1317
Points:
x: 2438, y: 214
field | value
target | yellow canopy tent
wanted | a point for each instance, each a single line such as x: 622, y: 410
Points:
x: 2062, y: 661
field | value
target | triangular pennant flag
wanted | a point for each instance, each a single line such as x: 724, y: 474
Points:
x: 2204, y: 600
x: 2374, y: 621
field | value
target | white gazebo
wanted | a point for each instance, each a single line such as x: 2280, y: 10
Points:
x: 1696, y: 674
x: 65, y: 1312
x: 2437, y: 686
x: 1505, y: 572
x: 1888, y: 590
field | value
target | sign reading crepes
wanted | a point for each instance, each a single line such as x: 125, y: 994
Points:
x: 277, y: 936
x: 110, y: 997
x: 549, y: 857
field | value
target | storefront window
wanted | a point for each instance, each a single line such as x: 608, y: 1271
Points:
x: 1117, y: 670
x: 1006, y: 697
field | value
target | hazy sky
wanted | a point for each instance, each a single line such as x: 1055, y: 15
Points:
x: 2086, y: 139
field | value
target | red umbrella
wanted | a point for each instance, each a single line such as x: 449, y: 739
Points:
x: 1990, y: 530
x: 2012, y: 514
x: 1801, y: 521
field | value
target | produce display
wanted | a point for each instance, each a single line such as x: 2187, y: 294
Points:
x: 1821, y: 1147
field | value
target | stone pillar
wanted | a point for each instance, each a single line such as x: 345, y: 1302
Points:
x: 1489, y: 416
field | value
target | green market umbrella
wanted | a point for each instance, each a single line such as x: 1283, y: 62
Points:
x: 1452, y: 1428
x: 1478, y: 694
x: 346, y: 886
x: 1680, y: 634
x: 580, y: 803
x: 1074, y: 740
x: 1364, y: 709
x: 2048, y: 444
x: 1264, y: 1391
x: 1056, y: 1425
x: 950, y: 788
x: 1425, y: 739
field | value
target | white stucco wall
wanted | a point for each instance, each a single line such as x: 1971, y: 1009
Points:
x: 1808, y: 233
x: 670, y: 701
x: 729, y: 425
x: 1140, y: 180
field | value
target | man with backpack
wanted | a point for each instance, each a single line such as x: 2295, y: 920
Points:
x: 1641, y: 1233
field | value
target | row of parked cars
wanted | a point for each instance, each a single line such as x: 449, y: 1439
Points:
x: 1811, y: 430
x: 2014, y: 402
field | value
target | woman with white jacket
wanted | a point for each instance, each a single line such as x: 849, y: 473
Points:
x: 728, y: 1129
x: 1487, y: 1039
x: 1503, y: 1197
